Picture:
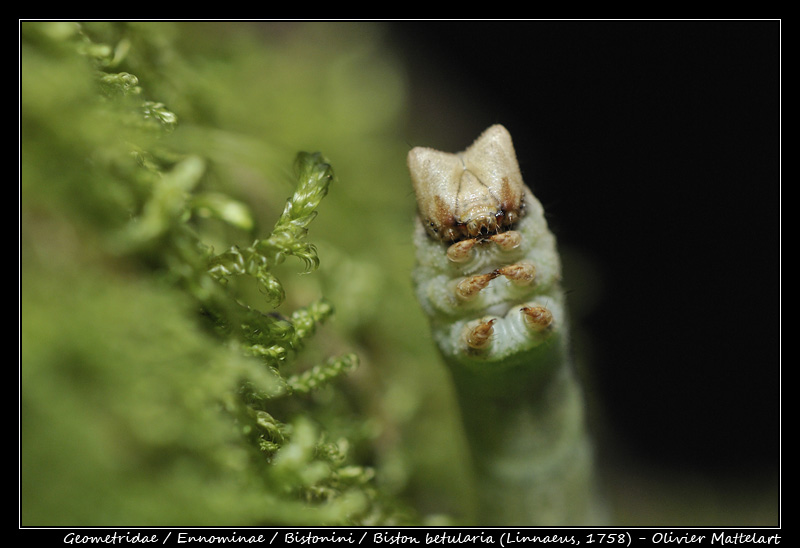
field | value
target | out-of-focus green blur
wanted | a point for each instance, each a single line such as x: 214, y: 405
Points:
x: 120, y: 388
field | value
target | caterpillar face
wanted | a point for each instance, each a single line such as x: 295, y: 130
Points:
x: 469, y: 194
x: 487, y: 271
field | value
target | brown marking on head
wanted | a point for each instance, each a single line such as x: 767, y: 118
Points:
x: 508, y: 201
x: 443, y: 213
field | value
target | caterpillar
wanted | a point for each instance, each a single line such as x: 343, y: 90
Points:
x: 488, y: 277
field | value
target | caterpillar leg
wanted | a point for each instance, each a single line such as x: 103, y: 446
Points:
x: 459, y: 252
x: 479, y: 337
x: 538, y: 318
x: 507, y: 240
x: 512, y: 331
x: 519, y: 274
x: 469, y: 287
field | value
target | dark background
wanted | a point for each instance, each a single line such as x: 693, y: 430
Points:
x: 655, y: 149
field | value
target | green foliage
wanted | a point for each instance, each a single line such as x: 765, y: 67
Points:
x: 155, y: 389
x: 287, y: 238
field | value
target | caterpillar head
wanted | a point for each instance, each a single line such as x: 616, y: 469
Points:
x: 469, y: 194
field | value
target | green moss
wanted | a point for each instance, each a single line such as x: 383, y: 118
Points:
x: 170, y: 375
x: 127, y: 420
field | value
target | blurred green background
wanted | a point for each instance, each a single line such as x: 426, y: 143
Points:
x: 120, y: 388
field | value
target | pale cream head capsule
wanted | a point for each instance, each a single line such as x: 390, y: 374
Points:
x: 471, y: 193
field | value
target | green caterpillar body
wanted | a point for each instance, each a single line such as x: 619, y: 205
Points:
x: 453, y: 317
x: 488, y: 278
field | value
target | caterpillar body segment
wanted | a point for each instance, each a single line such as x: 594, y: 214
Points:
x: 493, y: 276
